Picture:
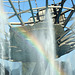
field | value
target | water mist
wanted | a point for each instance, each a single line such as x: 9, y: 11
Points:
x: 46, y: 37
x: 4, y: 39
x: 50, y: 43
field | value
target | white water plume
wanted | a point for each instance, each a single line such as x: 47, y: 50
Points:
x: 4, y: 39
x: 2, y: 33
x: 50, y: 42
x: 46, y: 37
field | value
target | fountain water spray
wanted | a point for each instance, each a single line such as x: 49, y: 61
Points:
x: 50, y: 42
x: 4, y: 38
x: 2, y: 33
x: 46, y: 37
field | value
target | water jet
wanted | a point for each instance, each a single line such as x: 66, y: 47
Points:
x: 39, y: 44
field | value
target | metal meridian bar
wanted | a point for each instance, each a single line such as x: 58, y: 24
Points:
x: 72, y: 2
x: 46, y: 5
x: 16, y: 12
x: 68, y: 18
x: 60, y: 10
x: 19, y: 7
x: 70, y: 15
x: 31, y: 11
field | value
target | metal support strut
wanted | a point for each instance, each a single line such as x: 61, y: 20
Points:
x: 16, y: 12
x: 31, y: 11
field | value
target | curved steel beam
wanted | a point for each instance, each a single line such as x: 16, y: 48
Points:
x: 42, y: 8
x: 67, y: 31
x: 67, y: 41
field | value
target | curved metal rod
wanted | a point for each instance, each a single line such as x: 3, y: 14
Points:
x: 40, y: 9
x: 67, y: 41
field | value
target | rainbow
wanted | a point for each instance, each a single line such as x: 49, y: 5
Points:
x: 34, y: 41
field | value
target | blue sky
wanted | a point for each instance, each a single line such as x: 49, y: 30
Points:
x: 25, y: 6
